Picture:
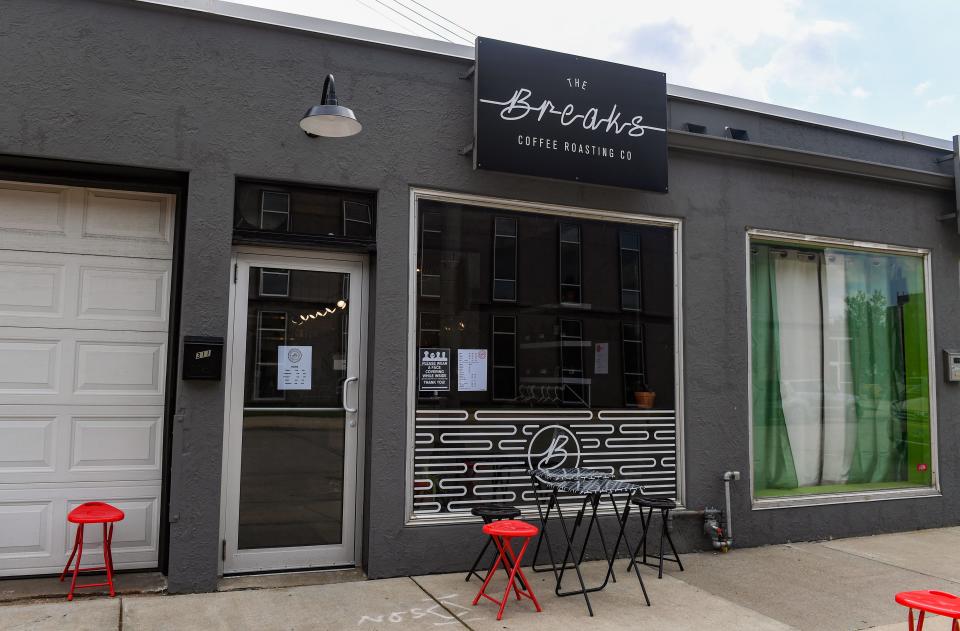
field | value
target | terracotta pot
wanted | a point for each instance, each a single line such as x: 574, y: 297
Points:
x: 645, y: 399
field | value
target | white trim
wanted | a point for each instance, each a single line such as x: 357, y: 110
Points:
x: 466, y: 53
x: 767, y: 503
x: 828, y: 499
x: 416, y: 194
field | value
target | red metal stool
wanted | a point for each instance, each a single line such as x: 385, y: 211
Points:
x: 503, y: 532
x: 92, y: 513
x: 929, y: 601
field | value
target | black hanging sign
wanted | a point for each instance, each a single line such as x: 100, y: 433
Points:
x: 556, y: 115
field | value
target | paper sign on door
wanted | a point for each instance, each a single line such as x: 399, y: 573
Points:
x: 294, y: 367
x: 472, y: 370
x: 601, y: 358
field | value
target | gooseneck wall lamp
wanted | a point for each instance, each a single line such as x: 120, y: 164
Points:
x: 330, y: 119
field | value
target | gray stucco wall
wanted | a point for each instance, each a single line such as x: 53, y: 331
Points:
x: 129, y: 84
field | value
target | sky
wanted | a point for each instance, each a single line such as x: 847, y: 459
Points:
x: 886, y: 62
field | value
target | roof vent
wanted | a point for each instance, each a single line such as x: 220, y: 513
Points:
x: 695, y: 128
x: 737, y: 134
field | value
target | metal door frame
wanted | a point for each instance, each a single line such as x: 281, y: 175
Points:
x: 232, y: 561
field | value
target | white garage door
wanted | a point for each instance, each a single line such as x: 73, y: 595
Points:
x: 84, y: 300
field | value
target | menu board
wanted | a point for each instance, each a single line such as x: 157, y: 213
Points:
x: 294, y: 367
x: 472, y: 370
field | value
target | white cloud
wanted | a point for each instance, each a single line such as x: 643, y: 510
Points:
x: 859, y: 93
x: 922, y: 87
x: 946, y: 99
x: 745, y: 48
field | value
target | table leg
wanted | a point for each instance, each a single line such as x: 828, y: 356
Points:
x: 570, y: 539
x: 643, y: 540
x: 543, y: 536
x: 583, y: 587
x: 621, y: 536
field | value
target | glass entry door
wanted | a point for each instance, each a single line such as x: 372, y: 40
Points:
x: 294, y: 395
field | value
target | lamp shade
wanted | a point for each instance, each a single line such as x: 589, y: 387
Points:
x: 330, y: 119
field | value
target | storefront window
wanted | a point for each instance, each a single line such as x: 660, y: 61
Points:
x: 542, y: 340
x: 285, y: 213
x: 841, y: 392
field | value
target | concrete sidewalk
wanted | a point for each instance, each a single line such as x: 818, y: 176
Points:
x: 843, y: 584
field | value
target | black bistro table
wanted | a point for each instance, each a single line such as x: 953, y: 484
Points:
x: 592, y: 486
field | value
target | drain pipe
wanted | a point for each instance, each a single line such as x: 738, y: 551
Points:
x: 718, y: 524
x: 728, y: 477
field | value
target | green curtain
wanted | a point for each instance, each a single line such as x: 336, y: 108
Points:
x: 773, y: 464
x: 874, y: 323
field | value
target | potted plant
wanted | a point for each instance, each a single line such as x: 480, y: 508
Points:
x: 645, y: 397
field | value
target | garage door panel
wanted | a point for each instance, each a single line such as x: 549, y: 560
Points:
x: 27, y: 446
x: 119, y: 368
x: 27, y: 530
x: 58, y: 444
x: 37, y: 538
x: 33, y: 208
x: 30, y: 290
x: 124, y: 294
x: 84, y: 367
x: 126, y: 215
x: 132, y: 537
x: 29, y: 367
x: 115, y: 443
x: 54, y: 290
x: 51, y: 218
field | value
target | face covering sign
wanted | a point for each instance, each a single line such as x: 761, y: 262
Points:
x: 434, y: 369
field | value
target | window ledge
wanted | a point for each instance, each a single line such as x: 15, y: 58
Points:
x: 769, y: 503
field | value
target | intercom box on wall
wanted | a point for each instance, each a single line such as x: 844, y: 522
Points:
x: 202, y: 358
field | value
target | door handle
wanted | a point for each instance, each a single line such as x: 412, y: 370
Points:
x: 345, y: 406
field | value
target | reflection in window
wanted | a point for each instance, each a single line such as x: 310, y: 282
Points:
x: 505, y: 259
x: 357, y: 220
x: 284, y: 213
x: 630, y: 273
x: 430, y: 244
x: 275, y: 282
x: 429, y: 329
x: 271, y: 333
x: 504, y: 358
x: 634, y: 374
x: 839, y: 370
x: 574, y: 386
x: 570, y: 263
x: 274, y: 211
x: 544, y: 354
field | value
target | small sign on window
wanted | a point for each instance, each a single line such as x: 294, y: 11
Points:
x: 435, y: 369
x: 294, y: 367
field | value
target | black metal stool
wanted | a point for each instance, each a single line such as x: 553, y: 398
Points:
x: 490, y: 513
x: 664, y: 506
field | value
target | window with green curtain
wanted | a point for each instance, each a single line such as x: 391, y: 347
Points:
x: 839, y: 367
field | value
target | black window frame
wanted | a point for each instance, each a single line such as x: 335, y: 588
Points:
x: 513, y: 239
x: 560, y: 266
